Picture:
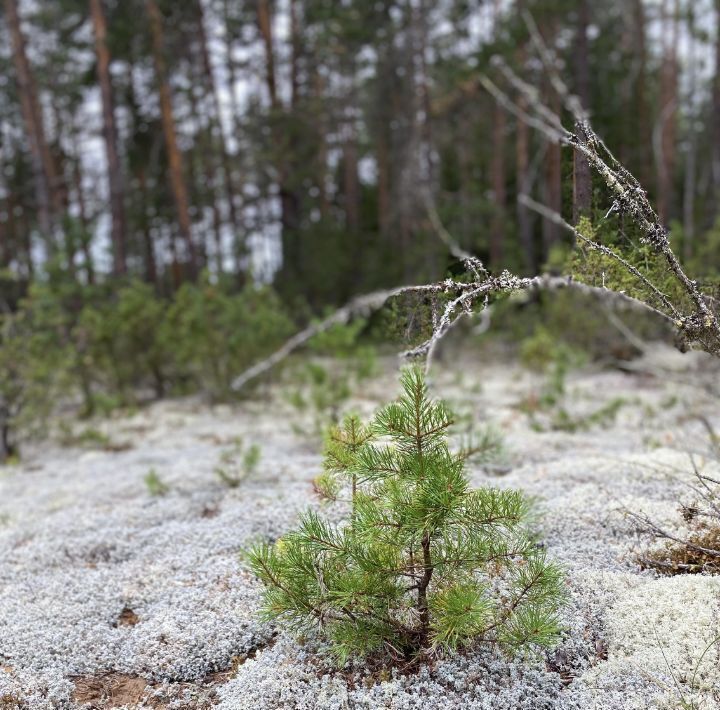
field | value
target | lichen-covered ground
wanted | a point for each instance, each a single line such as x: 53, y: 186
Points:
x: 113, y: 597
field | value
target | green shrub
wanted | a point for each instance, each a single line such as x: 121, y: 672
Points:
x: 215, y: 335
x: 33, y: 374
x: 127, y: 340
x: 542, y: 352
x: 424, y: 564
x: 52, y: 311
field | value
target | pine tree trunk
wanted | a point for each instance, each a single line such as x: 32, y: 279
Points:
x: 216, y: 118
x: 497, y: 233
x: 582, y: 176
x: 383, y: 186
x: 642, y: 136
x: 715, y: 135
x: 7, y: 448
x: 351, y: 182
x: 691, y: 149
x: 204, y: 152
x: 48, y: 207
x: 231, y: 68
x: 497, y: 172
x: 289, y: 199
x: 423, y: 584
x: 322, y: 132
x: 666, y: 130
x: 295, y: 53
x: 522, y: 169
x: 114, y: 169
x: 82, y: 211
x: 265, y: 26
x: 177, y: 178
x: 552, y: 183
x: 151, y: 273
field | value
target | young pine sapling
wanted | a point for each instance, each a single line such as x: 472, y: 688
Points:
x: 424, y: 564
x: 238, y: 463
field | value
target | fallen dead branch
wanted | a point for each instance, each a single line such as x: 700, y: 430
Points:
x: 696, y: 325
x: 464, y: 298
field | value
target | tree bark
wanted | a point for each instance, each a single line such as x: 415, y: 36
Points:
x: 351, y: 182
x: 715, y: 199
x: 207, y: 159
x: 265, y: 26
x: 522, y: 173
x: 289, y: 199
x: 231, y: 70
x: 177, y: 178
x: 644, y: 130
x: 552, y: 183
x: 497, y: 171
x: 150, y: 262
x: 216, y: 118
x: 582, y: 176
x: 44, y: 173
x: 691, y: 150
x: 497, y: 232
x: 667, y: 126
x: 82, y: 210
x: 114, y: 169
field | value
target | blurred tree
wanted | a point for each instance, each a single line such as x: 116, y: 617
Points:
x: 177, y: 177
x: 46, y: 182
x: 302, y: 142
x: 114, y: 168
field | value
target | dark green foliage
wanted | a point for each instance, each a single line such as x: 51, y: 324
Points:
x: 112, y: 349
x: 128, y: 340
x: 598, y: 269
x: 573, y: 321
x: 215, y: 334
x: 31, y: 376
x: 424, y: 564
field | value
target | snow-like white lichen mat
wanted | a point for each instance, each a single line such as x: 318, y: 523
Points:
x: 113, y: 597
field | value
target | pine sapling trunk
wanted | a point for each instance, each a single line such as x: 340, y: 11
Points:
x: 423, y: 585
x: 7, y: 448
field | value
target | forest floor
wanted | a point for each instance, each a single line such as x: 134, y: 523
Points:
x: 113, y: 597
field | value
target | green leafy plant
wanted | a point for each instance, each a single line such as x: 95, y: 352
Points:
x: 127, y: 341
x: 424, y: 564
x: 238, y: 463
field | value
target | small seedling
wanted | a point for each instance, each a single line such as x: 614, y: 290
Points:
x: 155, y: 485
x: 238, y: 463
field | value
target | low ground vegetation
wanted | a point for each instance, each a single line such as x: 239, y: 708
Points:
x: 117, y: 349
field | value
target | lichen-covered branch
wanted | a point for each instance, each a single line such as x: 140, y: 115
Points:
x: 698, y: 324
